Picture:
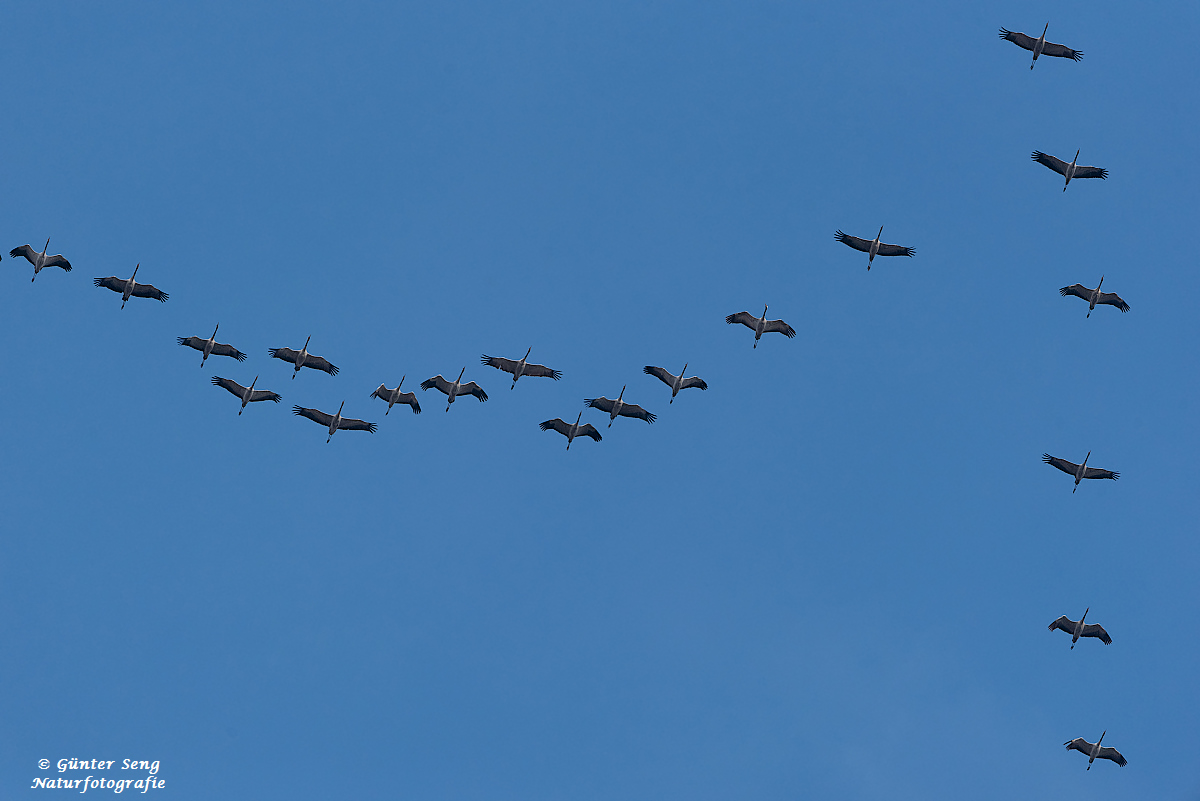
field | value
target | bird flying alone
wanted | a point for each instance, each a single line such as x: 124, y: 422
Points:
x: 571, y: 430
x: 619, y: 408
x: 1068, y: 171
x: 1079, y: 471
x: 452, y: 389
x: 394, y: 396
x: 874, y: 247
x: 1095, y: 297
x: 761, y: 325
x: 1094, y: 751
x: 245, y: 394
x: 40, y: 261
x: 523, y: 367
x: 1078, y: 629
x: 210, y: 347
x: 302, y: 358
x: 1039, y: 46
x: 334, y: 422
x: 675, y: 382
x: 130, y: 288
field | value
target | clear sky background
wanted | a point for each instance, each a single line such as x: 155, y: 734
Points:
x: 828, y: 576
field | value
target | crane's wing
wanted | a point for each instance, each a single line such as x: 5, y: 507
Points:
x: 411, y: 399
x: 1058, y: 165
x: 438, y: 383
x: 228, y: 350
x: 1019, y: 39
x: 694, y: 381
x: 895, y: 250
x: 1065, y: 623
x: 112, y: 282
x: 1090, y: 172
x: 264, y: 395
x: 316, y: 415
x: 779, y: 326
x: 149, y: 291
x: 471, y: 388
x: 603, y: 404
x: 589, y: 430
x: 1097, y: 631
x: 1061, y: 51
x: 25, y: 250
x: 350, y: 424
x: 382, y: 392
x: 541, y: 371
x: 317, y: 363
x: 659, y: 373
x: 286, y: 354
x: 853, y: 241
x: 1079, y: 744
x: 507, y: 365
x: 1112, y: 299
x: 1096, y: 472
x: 1113, y: 754
x: 229, y: 384
x: 558, y: 424
x: 745, y: 318
x: 58, y: 261
x: 633, y: 410
x: 1078, y: 290
x: 192, y: 342
x: 1061, y: 464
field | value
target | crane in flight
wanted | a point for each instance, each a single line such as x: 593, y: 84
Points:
x: 571, y: 430
x: 245, y: 394
x: 334, y: 422
x: 521, y: 368
x: 1095, y: 296
x: 210, y: 347
x: 873, y: 247
x: 1069, y: 171
x: 675, y: 382
x: 452, y: 389
x: 302, y: 358
x: 394, y: 396
x: 1094, y: 751
x: 130, y: 288
x: 761, y: 325
x: 40, y: 261
x: 1040, y: 46
x: 1079, y: 471
x: 1077, y: 629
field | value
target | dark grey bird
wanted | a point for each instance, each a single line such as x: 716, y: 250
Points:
x: 302, y: 358
x: 761, y: 325
x: 1079, y: 471
x: 210, y: 347
x: 521, y: 368
x: 394, y: 396
x: 1078, y: 629
x: 1068, y: 171
x: 619, y: 408
x: 874, y: 247
x: 334, y: 422
x: 675, y: 382
x: 245, y: 394
x: 130, y: 288
x: 1040, y: 46
x: 40, y: 261
x: 452, y: 389
x: 1094, y: 751
x: 571, y: 430
x: 1095, y: 296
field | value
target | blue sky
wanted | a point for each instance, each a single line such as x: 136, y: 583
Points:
x: 827, y: 576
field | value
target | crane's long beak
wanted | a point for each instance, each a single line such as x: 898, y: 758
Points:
x: 47, y: 246
x: 460, y: 374
x: 135, y: 269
